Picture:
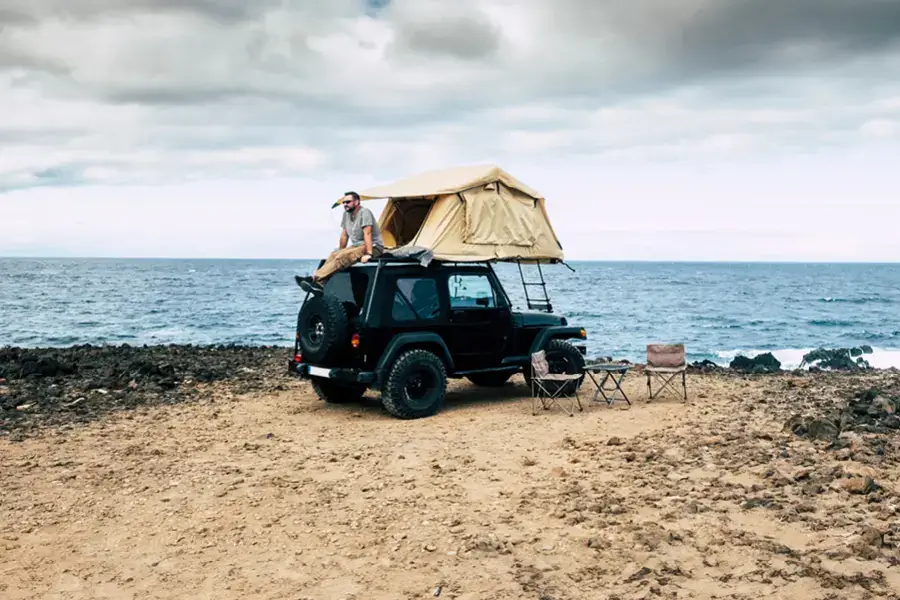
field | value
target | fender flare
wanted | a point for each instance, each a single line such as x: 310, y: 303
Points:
x: 405, y: 340
x: 560, y: 332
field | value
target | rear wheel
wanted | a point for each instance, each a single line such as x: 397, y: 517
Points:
x: 562, y: 357
x: 337, y: 392
x: 415, y: 386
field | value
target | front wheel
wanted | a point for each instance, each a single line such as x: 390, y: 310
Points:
x: 562, y: 357
x: 415, y: 386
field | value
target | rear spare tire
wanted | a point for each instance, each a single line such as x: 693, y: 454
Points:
x: 415, y: 386
x: 337, y: 392
x: 323, y: 327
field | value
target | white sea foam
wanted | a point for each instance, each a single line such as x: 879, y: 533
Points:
x: 790, y: 358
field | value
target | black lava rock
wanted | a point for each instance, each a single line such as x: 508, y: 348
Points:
x: 80, y: 383
x: 764, y: 363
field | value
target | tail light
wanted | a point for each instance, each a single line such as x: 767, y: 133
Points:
x: 298, y: 358
x: 354, y: 340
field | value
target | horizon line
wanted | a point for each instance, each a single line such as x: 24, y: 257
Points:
x: 572, y: 261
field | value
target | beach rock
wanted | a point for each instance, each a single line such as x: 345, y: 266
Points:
x: 812, y: 428
x: 837, y: 359
x: 881, y: 405
x: 868, y: 544
x: 871, y: 537
x: 764, y: 363
x: 820, y: 429
x: 871, y: 411
x: 704, y: 366
x: 857, y: 485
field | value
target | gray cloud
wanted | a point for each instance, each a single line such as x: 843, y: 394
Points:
x: 226, y: 10
x: 212, y: 88
x: 150, y: 94
x: 609, y: 47
x: 466, y: 39
x: 437, y: 29
x: 767, y: 33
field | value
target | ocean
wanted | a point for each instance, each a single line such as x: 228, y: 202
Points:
x: 718, y: 310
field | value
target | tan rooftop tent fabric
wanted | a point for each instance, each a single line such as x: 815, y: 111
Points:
x: 446, y: 181
x: 474, y: 213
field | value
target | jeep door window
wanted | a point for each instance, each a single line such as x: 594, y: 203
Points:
x: 416, y: 298
x: 471, y: 291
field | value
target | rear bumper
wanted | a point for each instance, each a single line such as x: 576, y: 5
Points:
x: 306, y: 370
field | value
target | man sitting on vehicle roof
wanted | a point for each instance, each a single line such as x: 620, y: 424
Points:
x: 359, y: 227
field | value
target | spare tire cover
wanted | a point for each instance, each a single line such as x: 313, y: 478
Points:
x: 323, y: 328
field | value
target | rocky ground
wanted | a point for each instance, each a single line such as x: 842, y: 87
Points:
x: 64, y: 386
x: 210, y: 473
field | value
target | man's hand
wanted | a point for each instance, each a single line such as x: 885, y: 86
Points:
x: 365, y: 258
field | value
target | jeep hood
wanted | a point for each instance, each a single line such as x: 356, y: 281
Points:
x: 537, y: 319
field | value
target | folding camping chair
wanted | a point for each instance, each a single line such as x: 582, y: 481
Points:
x: 665, y: 362
x: 549, y: 388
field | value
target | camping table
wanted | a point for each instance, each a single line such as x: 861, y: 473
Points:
x: 614, y: 372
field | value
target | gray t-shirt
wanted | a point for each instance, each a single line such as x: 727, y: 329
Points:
x: 354, y: 227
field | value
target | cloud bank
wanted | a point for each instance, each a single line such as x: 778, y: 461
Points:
x: 169, y: 92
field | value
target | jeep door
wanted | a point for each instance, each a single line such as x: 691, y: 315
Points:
x: 479, y: 321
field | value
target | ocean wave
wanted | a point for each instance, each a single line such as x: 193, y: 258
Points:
x: 869, y: 336
x: 863, y: 300
x: 831, y: 323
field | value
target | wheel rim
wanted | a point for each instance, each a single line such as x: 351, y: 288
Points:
x: 315, y: 331
x: 558, y: 363
x: 419, y: 387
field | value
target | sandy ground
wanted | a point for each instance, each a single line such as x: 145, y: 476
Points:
x: 277, y: 495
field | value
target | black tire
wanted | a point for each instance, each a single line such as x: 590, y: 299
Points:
x: 416, y: 385
x: 563, y: 357
x: 323, y: 326
x: 337, y: 392
x: 492, y: 379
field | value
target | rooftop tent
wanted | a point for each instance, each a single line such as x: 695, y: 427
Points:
x: 475, y: 213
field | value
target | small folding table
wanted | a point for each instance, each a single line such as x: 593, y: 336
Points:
x: 612, y: 372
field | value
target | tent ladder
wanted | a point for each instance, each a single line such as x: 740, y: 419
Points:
x: 540, y: 300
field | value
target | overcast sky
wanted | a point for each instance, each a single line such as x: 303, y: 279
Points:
x: 697, y: 129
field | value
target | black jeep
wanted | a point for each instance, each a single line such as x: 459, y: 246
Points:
x: 402, y: 328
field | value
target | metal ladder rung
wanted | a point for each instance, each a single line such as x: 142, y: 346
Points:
x: 537, y: 302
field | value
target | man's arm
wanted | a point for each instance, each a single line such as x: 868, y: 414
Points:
x: 367, y: 236
x: 344, y: 239
x: 368, y: 222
